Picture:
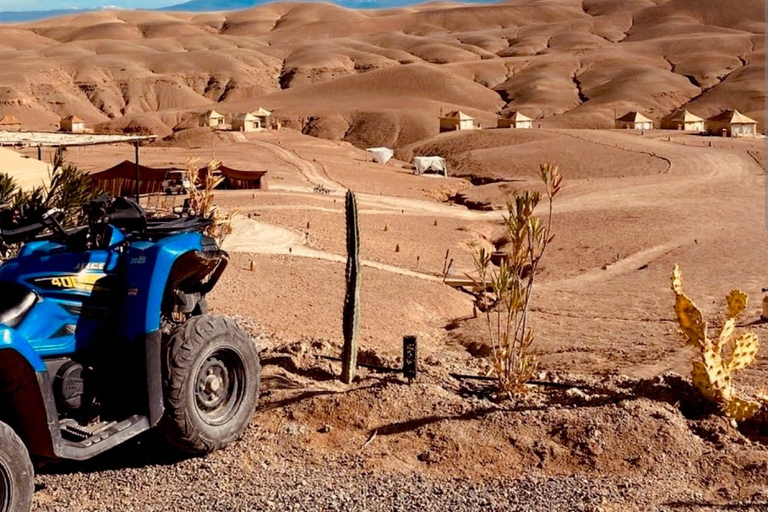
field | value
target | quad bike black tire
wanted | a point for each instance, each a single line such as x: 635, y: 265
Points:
x: 211, y: 374
x: 17, y: 476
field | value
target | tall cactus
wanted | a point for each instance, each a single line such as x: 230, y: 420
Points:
x: 718, y: 358
x: 352, y: 299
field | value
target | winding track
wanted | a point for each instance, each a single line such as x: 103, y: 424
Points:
x: 705, y: 170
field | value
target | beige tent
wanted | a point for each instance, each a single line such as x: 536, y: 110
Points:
x: 732, y: 123
x: 514, y: 120
x: 634, y: 121
x: 72, y: 124
x: 246, y: 123
x: 214, y: 119
x: 263, y: 115
x: 456, y: 120
x: 10, y: 123
x: 683, y: 120
x: 28, y: 172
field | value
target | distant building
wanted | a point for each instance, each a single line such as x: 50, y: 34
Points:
x: 263, y: 115
x: 634, y: 121
x: 514, y: 120
x: 456, y: 120
x: 214, y: 119
x: 733, y: 124
x: 72, y: 124
x: 10, y: 123
x: 246, y: 123
x: 683, y: 120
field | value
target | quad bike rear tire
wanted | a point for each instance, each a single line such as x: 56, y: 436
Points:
x: 17, y: 476
x: 211, y: 375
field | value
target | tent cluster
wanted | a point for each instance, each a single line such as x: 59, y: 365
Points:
x: 120, y: 180
x: 729, y: 122
x: 259, y: 119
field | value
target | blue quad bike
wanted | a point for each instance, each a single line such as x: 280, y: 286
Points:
x: 104, y: 334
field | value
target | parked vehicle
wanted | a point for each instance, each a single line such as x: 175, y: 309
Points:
x: 105, y: 333
x: 176, y: 182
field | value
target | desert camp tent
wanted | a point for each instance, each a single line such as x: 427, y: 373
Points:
x: 456, y: 120
x: 514, y: 120
x: 381, y: 155
x: 72, y: 124
x: 683, y: 120
x: 28, y: 172
x: 246, y: 123
x: 120, y: 180
x: 10, y: 123
x: 634, y: 121
x: 422, y: 164
x: 214, y: 119
x: 732, y: 123
x: 263, y: 115
x: 237, y: 179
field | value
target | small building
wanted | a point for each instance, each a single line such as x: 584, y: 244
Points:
x: 634, y: 121
x: 214, y: 119
x: 10, y: 123
x: 514, y: 120
x: 246, y: 123
x: 733, y: 124
x: 683, y: 120
x: 72, y: 124
x: 263, y: 115
x: 456, y: 120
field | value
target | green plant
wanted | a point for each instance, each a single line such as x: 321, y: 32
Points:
x: 718, y: 359
x: 69, y: 189
x: 351, y: 320
x: 504, y: 294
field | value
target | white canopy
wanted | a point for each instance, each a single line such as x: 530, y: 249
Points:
x: 28, y: 172
x: 381, y: 155
x: 437, y: 164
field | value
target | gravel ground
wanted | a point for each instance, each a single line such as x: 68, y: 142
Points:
x: 212, y: 484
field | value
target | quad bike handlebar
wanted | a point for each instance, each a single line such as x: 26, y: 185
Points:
x: 122, y: 213
x: 29, y: 230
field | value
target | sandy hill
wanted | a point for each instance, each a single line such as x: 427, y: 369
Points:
x: 382, y: 76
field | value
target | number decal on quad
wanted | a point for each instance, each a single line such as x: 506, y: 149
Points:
x: 82, y: 282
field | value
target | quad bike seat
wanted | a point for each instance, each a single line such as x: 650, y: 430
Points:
x: 15, y: 302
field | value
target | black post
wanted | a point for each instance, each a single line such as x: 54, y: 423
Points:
x: 136, y: 147
x: 410, y: 358
x: 39, y: 152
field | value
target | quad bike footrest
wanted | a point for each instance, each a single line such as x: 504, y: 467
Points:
x: 96, y: 432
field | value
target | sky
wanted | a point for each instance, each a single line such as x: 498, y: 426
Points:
x: 45, y: 5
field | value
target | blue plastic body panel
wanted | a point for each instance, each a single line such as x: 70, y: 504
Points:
x: 91, y: 297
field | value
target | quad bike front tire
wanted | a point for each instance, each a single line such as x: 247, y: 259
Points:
x: 17, y: 476
x: 211, y: 375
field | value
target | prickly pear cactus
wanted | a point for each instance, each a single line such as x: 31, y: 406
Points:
x: 717, y: 359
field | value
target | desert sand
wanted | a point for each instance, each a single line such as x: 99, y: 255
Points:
x: 626, y: 432
x: 382, y: 77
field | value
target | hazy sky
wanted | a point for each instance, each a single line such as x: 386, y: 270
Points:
x: 45, y: 5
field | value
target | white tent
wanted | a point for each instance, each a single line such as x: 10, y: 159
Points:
x: 437, y: 164
x: 381, y: 155
x: 28, y: 172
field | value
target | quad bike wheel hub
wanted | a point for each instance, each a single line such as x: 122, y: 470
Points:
x: 219, y: 386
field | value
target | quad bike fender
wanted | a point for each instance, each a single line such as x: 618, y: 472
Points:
x: 149, y: 266
x: 24, y: 393
x: 11, y: 339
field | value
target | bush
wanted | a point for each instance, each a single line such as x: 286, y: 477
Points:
x: 505, y: 293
